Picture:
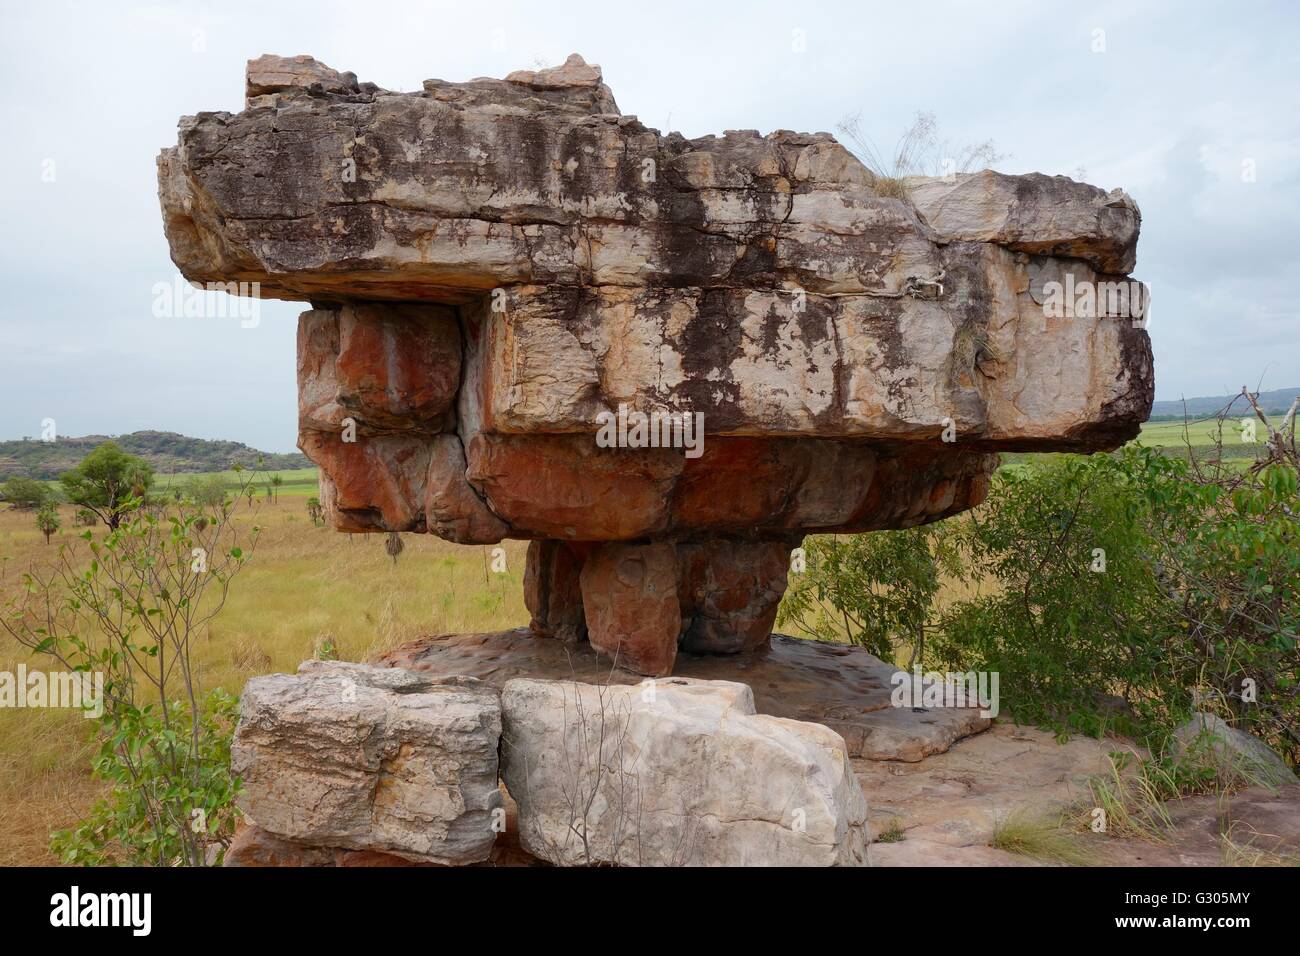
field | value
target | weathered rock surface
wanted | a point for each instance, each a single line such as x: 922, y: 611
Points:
x: 377, y: 759
x: 729, y: 591
x: 945, y: 810
x: 553, y: 590
x: 1036, y: 214
x: 629, y: 594
x: 681, y: 772
x: 254, y: 847
x: 1237, y: 754
x: 949, y: 805
x: 494, y: 264
x: 452, y: 508
x: 845, y: 688
x: 566, y: 488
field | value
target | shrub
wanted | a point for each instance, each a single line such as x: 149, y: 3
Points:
x: 1116, y: 591
x: 1129, y: 576
x: 875, y: 589
x: 26, y: 493
x: 206, y: 490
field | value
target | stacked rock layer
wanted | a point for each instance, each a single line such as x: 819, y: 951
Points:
x: 494, y: 265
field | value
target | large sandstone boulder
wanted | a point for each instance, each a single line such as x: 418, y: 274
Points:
x: 494, y: 265
x: 675, y: 772
x: 366, y: 758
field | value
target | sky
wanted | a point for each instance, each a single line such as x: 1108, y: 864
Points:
x: 1194, y: 109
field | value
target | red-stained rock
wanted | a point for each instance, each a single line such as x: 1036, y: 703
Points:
x: 387, y: 366
x: 629, y: 593
x: 729, y: 591
x: 373, y: 484
x: 398, y: 364
x: 452, y: 509
x: 920, y: 485
x: 736, y: 484
x: 553, y: 592
x: 318, y: 385
x: 567, y: 488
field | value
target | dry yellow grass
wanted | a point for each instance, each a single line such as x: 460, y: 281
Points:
x: 303, y: 583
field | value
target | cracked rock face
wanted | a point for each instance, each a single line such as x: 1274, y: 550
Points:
x: 494, y: 264
x: 676, y: 772
x: 367, y: 758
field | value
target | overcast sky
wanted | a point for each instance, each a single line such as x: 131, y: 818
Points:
x: 1183, y: 103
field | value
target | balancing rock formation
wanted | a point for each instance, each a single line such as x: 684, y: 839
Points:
x: 492, y: 265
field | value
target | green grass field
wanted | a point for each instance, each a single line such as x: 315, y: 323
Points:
x: 1198, y: 434
x: 1203, y: 438
x: 295, y: 481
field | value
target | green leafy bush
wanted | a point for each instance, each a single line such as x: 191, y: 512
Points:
x: 876, y: 589
x: 26, y: 493
x: 172, y: 798
x: 1117, y: 591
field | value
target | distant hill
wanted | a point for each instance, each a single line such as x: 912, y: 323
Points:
x: 1276, y: 401
x: 167, y: 451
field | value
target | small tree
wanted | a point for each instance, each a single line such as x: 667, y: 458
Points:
x: 131, y: 610
x: 47, y: 520
x: 109, y: 482
x: 315, y: 512
x: 26, y: 493
x: 276, y: 482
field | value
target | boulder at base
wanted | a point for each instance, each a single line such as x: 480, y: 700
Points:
x: 368, y: 758
x: 675, y: 772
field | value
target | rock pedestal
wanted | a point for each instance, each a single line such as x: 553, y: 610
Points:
x: 499, y: 269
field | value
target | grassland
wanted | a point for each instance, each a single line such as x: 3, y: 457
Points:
x: 303, y: 583
x: 1200, y: 435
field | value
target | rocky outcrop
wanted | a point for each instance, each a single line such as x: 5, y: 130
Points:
x: 494, y: 266
x: 1238, y: 757
x: 374, y: 759
x: 675, y: 772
